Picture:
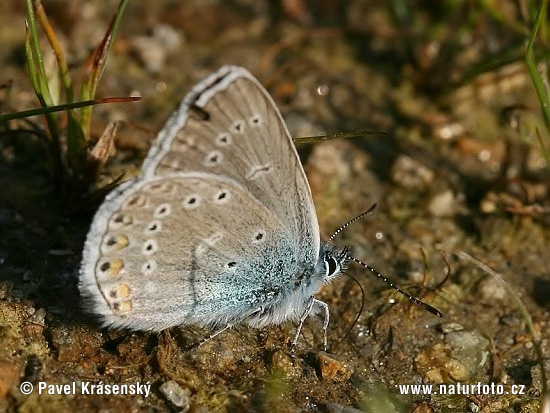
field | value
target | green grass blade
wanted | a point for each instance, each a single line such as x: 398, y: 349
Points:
x: 541, y: 88
x: 40, y: 86
x: 76, y: 145
x: 543, y: 148
x: 495, y: 11
x: 524, y: 313
x: 31, y: 64
x: 43, y: 90
x: 340, y: 135
x: 67, y: 106
x: 64, y: 74
x: 98, y: 66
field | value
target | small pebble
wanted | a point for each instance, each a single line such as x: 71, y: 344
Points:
x: 176, y: 395
x: 153, y: 50
x: 38, y: 316
x: 443, y: 204
x: 437, y: 365
x: 492, y: 291
x: 470, y: 349
x: 409, y: 173
x: 451, y: 327
x: 329, y: 368
x: 283, y: 362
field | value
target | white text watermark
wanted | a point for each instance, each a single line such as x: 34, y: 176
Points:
x: 86, y: 388
x: 461, y: 388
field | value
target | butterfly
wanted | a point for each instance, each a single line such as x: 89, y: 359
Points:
x: 218, y: 229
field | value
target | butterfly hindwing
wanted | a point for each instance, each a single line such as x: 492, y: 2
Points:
x: 172, y: 248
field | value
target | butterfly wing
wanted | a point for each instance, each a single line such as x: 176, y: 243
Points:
x: 219, y: 224
x: 188, y: 248
x: 228, y: 125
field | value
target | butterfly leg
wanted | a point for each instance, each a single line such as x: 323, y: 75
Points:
x: 321, y: 305
x: 214, y: 334
x: 303, y: 317
x: 228, y: 326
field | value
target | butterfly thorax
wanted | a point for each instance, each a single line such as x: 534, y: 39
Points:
x: 289, y: 302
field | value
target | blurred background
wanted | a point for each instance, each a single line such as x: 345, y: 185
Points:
x: 456, y: 160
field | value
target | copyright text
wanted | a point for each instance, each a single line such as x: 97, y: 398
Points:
x: 86, y: 388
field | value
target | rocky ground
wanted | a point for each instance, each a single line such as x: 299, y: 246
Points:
x: 461, y: 186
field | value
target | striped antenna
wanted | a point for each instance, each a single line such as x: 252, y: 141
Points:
x: 417, y: 301
x: 351, y: 221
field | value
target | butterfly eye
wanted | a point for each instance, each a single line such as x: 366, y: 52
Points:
x: 231, y: 264
x: 332, y: 265
x: 122, y: 307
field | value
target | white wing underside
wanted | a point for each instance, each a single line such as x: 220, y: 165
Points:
x: 222, y: 196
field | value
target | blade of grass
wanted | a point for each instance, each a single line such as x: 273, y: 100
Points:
x: 42, y: 91
x: 31, y: 64
x: 541, y: 88
x: 511, y: 54
x: 76, y: 146
x: 58, y: 51
x: 341, y: 135
x: 97, y: 67
x: 64, y: 107
x: 524, y: 313
x: 496, y: 12
x: 544, y: 150
x: 38, y: 80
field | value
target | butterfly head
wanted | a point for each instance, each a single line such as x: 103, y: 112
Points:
x: 332, y: 261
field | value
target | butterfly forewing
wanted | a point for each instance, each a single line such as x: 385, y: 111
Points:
x: 229, y: 126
